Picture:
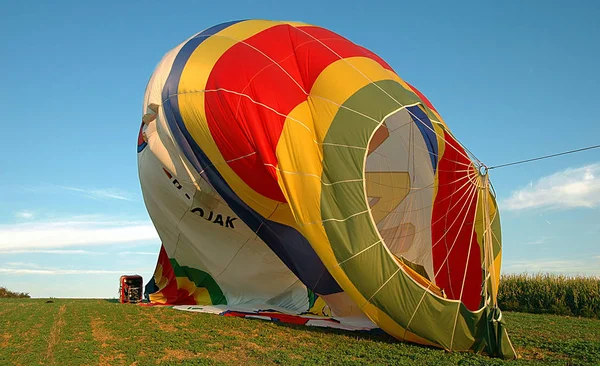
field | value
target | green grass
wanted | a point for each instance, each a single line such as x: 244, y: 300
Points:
x: 550, y: 294
x: 92, y: 332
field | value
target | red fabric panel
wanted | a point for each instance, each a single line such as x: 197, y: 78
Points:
x: 140, y: 135
x: 238, y: 124
x: 174, y: 295
x: 285, y: 318
x: 241, y: 127
x: 453, y: 223
x: 316, y: 48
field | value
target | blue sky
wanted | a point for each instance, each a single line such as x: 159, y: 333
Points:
x: 512, y: 79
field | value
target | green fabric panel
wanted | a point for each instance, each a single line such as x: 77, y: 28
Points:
x: 350, y: 234
x: 312, y: 298
x: 367, y: 277
x: 497, y: 237
x: 374, y: 272
x: 433, y: 318
x: 350, y: 169
x: 340, y: 194
x: 200, y: 279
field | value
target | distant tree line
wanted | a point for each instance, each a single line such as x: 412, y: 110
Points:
x: 4, y: 293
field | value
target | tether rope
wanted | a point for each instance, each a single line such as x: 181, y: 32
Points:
x: 543, y: 157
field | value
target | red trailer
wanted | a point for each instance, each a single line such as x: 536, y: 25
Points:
x: 130, y: 289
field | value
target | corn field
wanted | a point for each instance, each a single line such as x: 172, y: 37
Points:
x: 550, y: 294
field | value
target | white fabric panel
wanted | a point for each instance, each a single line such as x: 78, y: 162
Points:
x: 243, y: 266
x: 406, y: 229
x: 345, y: 322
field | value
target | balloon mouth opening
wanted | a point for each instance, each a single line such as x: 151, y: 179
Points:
x: 399, y: 177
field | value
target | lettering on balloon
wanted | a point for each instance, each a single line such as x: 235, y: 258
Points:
x: 176, y: 183
x: 215, y: 218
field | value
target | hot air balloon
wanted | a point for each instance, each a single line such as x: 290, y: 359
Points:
x: 292, y: 174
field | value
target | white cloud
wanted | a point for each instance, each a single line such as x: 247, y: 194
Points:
x: 73, y: 232
x: 112, y: 193
x: 24, y: 215
x: 539, y: 241
x: 48, y: 251
x: 138, y: 253
x: 563, y: 266
x: 574, y: 187
x: 58, y: 271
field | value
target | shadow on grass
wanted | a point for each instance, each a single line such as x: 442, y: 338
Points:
x: 113, y: 301
x: 377, y: 334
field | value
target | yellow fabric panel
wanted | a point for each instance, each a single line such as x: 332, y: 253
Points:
x: 320, y: 308
x: 300, y: 178
x: 202, y: 296
x: 161, y: 281
x: 184, y: 283
x: 480, y: 227
x: 300, y: 167
x: 191, y: 102
x: 439, y: 132
x: 390, y: 187
x: 158, y: 298
x: 296, y: 24
x: 338, y: 82
x: 496, y: 273
x: 420, y: 279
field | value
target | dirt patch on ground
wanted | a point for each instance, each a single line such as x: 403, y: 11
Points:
x: 177, y: 355
x: 100, y: 333
x: 59, y: 323
x: 537, y: 354
x: 5, y: 339
x: 165, y: 324
x: 31, y: 334
x: 108, y: 355
x: 238, y: 355
x: 110, y: 360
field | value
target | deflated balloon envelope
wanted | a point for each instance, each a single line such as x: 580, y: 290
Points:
x: 288, y: 170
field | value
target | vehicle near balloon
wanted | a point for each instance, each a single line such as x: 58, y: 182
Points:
x: 293, y: 175
x: 131, y: 289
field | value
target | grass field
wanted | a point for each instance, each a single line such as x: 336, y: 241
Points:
x: 91, y: 332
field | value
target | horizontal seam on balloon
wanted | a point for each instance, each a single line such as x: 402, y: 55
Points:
x: 226, y: 161
x: 334, y: 219
x: 283, y: 115
x: 314, y: 175
x: 241, y: 157
x: 287, y: 116
x: 275, y: 111
x: 355, y: 255
x: 340, y: 145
